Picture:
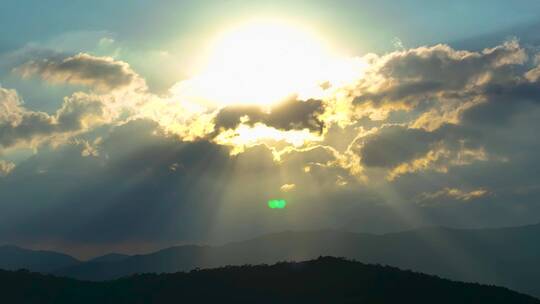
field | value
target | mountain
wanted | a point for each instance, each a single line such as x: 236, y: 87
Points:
x: 505, y: 257
x: 111, y: 257
x: 13, y: 258
x: 181, y: 258
x: 324, y: 280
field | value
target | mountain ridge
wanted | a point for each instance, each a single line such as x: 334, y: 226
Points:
x: 494, y: 256
x: 323, y: 280
x: 14, y: 257
x: 499, y: 256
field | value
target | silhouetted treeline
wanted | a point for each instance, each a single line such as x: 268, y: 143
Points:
x: 324, y: 280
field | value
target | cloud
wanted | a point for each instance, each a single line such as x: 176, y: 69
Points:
x: 424, y: 124
x: 395, y: 144
x: 450, y: 103
x: 454, y: 193
x: 291, y: 114
x: 6, y: 167
x: 292, y: 123
x: 438, y: 85
x: 88, y: 148
x: 100, y: 73
x: 533, y: 75
x: 287, y: 187
x: 412, y: 76
x: 18, y: 125
x: 439, y: 159
x: 128, y: 183
x: 10, y: 106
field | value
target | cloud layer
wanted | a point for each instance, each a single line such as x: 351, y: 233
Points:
x: 430, y: 135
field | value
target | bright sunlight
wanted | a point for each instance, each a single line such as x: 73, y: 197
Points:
x: 264, y: 62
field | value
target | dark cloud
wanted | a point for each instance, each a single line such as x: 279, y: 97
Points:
x: 453, y: 68
x: 502, y: 101
x: 230, y: 117
x: 394, y: 145
x: 143, y: 185
x: 292, y: 114
x: 415, y: 75
x: 103, y: 73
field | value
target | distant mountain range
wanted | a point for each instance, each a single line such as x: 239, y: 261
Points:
x: 13, y: 258
x: 506, y: 256
x: 111, y: 257
x: 324, y: 280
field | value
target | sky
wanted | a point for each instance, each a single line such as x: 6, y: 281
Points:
x: 134, y: 125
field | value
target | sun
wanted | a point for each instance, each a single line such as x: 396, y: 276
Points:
x: 262, y: 62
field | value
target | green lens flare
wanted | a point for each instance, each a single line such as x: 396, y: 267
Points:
x: 277, y: 204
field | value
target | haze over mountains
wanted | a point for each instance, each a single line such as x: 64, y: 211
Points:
x: 325, y: 280
x: 502, y: 256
